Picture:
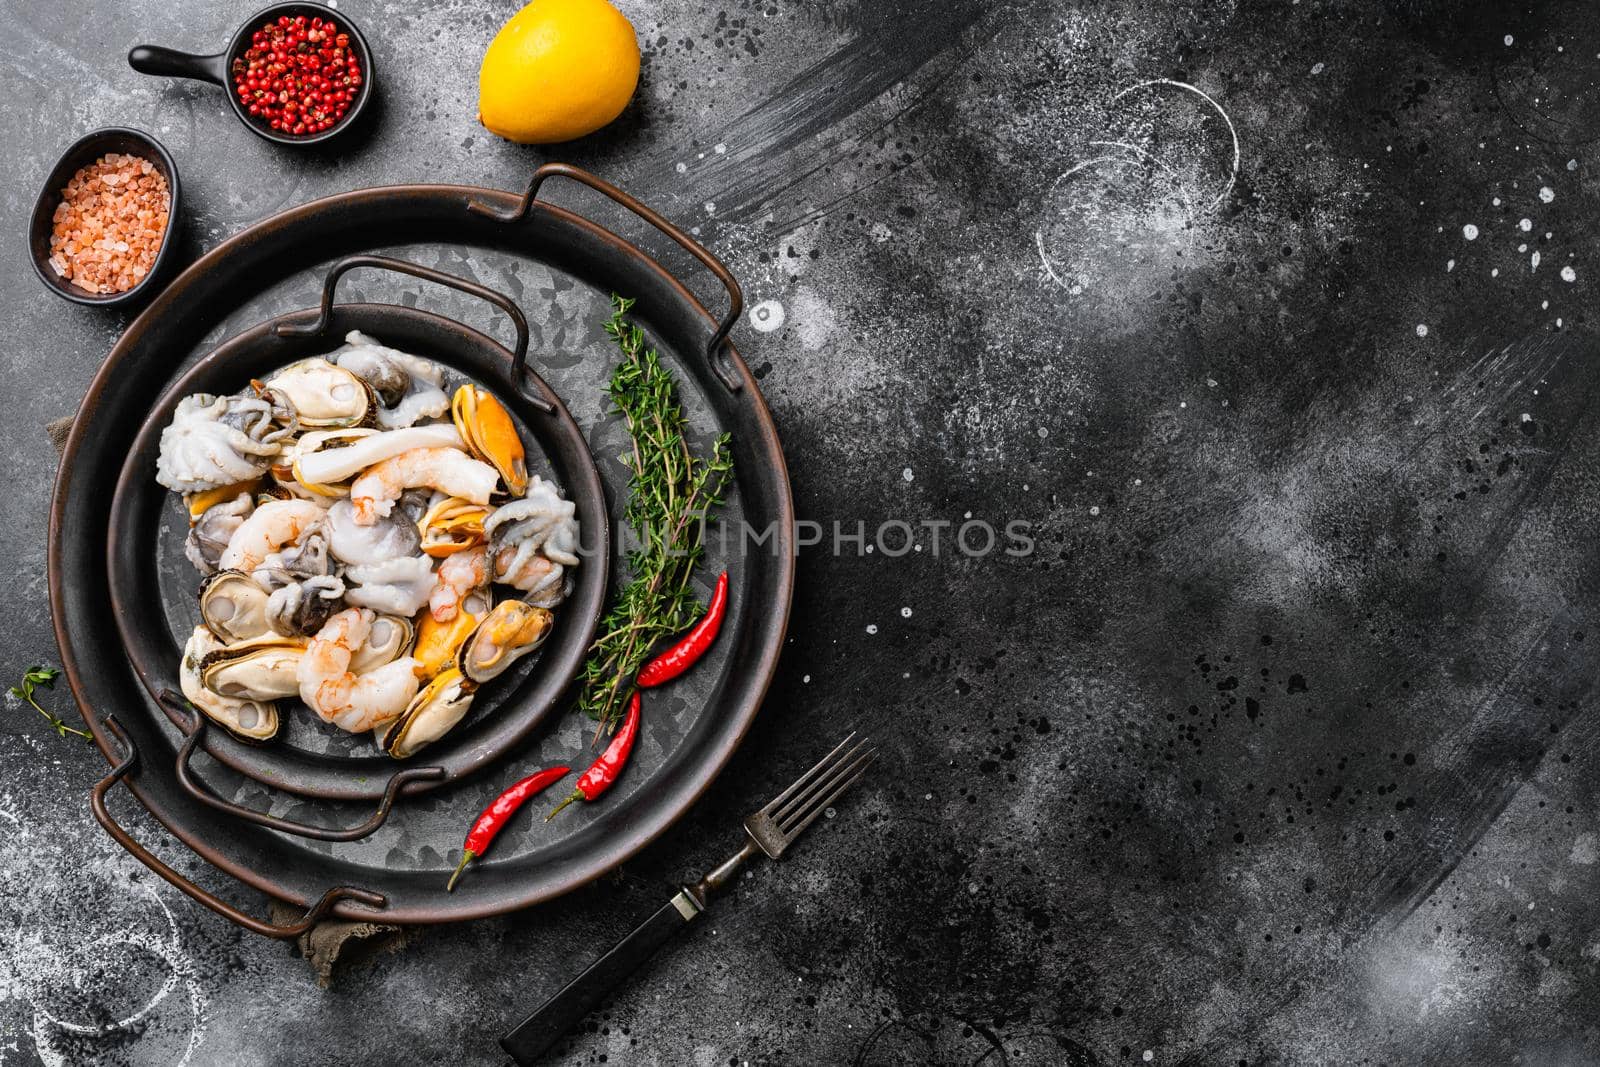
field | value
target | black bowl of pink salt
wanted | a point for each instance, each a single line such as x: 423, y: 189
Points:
x: 104, y: 224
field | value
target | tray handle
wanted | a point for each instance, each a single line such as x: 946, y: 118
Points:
x: 720, y: 361
x: 193, y: 725
x: 519, y: 354
x: 102, y: 814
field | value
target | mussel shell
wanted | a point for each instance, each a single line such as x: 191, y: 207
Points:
x: 438, y: 642
x: 431, y: 714
x: 234, y: 606
x: 264, y: 668
x: 388, y: 639
x: 452, y: 525
x: 486, y: 428
x: 202, y: 502
x: 512, y: 630
x: 251, y: 721
x: 324, y: 395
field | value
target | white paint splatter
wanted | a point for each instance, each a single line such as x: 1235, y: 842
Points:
x: 1470, y: 232
x: 872, y: 627
x: 1533, y: 262
x: 1318, y: 69
x: 1525, y: 225
x: 905, y: 613
x: 1510, y: 40
x: 1568, y: 274
x: 906, y: 474
x: 767, y: 316
x: 1133, y: 157
x: 814, y: 319
x: 1422, y: 329
x: 1546, y: 193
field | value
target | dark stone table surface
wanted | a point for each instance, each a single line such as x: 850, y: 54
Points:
x: 1270, y: 321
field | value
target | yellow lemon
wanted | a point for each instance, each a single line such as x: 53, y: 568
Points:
x: 558, y: 70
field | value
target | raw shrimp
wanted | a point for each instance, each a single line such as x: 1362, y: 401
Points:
x: 448, y: 470
x: 353, y: 702
x: 270, y: 526
x: 459, y: 575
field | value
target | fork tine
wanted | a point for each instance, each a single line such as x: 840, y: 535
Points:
x: 820, y: 783
x: 772, y: 805
x: 827, y: 801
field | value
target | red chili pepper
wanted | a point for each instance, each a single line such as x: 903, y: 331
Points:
x: 603, y: 771
x: 497, y: 814
x: 683, y: 655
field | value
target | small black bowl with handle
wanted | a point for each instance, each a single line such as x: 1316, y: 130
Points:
x: 81, y: 153
x: 217, y: 69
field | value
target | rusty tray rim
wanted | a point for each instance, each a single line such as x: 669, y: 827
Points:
x: 640, y: 832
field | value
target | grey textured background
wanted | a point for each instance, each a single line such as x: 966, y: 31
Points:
x: 1279, y: 749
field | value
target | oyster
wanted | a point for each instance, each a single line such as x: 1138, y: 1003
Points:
x: 262, y: 668
x: 213, y: 441
x: 431, y: 714
x: 387, y: 640
x: 302, y: 608
x: 248, y: 720
x: 489, y: 433
x: 421, y: 397
x: 211, y: 531
x: 234, y: 606
x: 368, y: 362
x: 399, y: 586
x: 324, y: 395
x: 512, y: 630
x: 390, y: 537
x: 452, y: 524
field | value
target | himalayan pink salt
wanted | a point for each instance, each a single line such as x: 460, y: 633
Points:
x: 109, y: 225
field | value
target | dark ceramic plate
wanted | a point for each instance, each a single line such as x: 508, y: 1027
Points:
x: 84, y: 151
x: 562, y: 269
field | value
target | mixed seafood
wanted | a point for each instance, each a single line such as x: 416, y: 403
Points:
x: 353, y: 520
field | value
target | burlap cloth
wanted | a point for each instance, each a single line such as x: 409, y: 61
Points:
x: 328, y: 946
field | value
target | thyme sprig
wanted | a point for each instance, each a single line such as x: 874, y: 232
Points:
x: 44, y: 678
x: 671, y: 494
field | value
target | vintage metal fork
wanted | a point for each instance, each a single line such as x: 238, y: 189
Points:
x: 772, y: 830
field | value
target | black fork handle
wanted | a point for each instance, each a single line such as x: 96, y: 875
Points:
x: 562, y: 1013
